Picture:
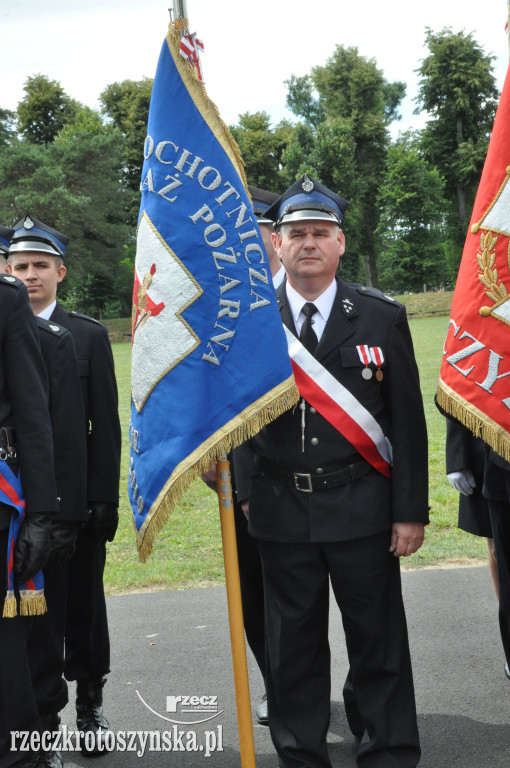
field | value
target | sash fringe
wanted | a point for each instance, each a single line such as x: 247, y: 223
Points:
x: 477, y: 422
x: 32, y: 603
x: 10, y: 606
x: 246, y: 425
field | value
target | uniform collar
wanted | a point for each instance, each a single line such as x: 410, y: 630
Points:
x: 324, y: 302
x: 48, y: 311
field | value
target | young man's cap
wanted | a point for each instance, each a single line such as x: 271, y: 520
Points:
x: 5, y: 238
x: 32, y: 235
x: 261, y: 200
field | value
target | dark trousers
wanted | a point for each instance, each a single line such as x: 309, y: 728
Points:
x: 87, y: 646
x: 365, y: 579
x: 252, y: 587
x: 18, y: 709
x: 46, y: 646
x: 500, y: 521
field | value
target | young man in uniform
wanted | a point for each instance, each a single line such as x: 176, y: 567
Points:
x: 36, y: 256
x: 337, y: 495
x: 26, y: 455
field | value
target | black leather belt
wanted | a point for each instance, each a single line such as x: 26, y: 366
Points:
x: 7, y: 443
x: 308, y: 483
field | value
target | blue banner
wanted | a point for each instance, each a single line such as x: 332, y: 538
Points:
x: 210, y: 364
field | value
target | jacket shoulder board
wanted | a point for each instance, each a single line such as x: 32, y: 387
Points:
x: 85, y: 317
x: 11, y: 280
x: 364, y: 290
x: 51, y: 327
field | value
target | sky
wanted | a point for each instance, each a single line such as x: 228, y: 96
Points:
x: 251, y: 48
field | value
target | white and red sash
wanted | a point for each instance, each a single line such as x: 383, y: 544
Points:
x: 339, y: 406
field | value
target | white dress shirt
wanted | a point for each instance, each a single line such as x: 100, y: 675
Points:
x: 324, y: 303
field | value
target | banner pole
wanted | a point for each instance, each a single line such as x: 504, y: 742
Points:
x: 235, y: 612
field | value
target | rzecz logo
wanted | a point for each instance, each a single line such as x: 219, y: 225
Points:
x: 190, y: 710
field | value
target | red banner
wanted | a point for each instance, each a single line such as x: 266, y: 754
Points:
x: 474, y: 384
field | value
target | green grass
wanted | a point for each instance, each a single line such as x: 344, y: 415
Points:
x: 188, y: 552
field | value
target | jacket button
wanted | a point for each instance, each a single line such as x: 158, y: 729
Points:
x: 319, y: 470
x: 312, y: 410
x: 314, y: 441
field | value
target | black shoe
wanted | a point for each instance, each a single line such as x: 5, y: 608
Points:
x: 507, y: 671
x: 52, y: 758
x: 90, y: 721
x: 261, y: 711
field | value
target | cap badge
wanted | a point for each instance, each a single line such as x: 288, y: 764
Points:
x: 307, y: 184
x: 28, y: 223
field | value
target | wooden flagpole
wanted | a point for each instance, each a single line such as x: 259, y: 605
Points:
x: 235, y: 612
x: 228, y: 534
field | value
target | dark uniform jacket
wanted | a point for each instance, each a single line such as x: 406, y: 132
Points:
x: 279, y: 512
x: 23, y: 393
x: 100, y: 400
x: 67, y: 419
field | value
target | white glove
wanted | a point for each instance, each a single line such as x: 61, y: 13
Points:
x: 463, y: 481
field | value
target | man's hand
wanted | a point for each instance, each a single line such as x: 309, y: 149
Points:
x: 463, y: 481
x: 406, y: 538
x: 32, y: 544
x: 63, y: 535
x: 102, y: 523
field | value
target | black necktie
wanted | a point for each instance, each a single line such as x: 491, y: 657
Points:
x: 308, y: 337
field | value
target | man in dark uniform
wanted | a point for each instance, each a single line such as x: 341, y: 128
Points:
x: 465, y: 467
x: 26, y: 448
x: 496, y: 490
x: 250, y: 568
x: 325, y: 504
x: 46, y: 639
x: 87, y: 645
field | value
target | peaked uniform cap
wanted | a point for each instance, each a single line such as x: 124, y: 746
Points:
x: 261, y: 200
x: 5, y: 238
x: 32, y: 235
x: 307, y: 200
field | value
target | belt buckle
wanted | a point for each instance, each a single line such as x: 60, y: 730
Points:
x: 308, y: 478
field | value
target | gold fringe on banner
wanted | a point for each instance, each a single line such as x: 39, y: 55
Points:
x: 481, y: 425
x: 231, y: 435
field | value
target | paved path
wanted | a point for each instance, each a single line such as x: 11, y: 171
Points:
x: 177, y: 643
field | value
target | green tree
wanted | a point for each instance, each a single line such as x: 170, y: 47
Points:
x: 457, y: 89
x: 261, y: 148
x: 44, y: 110
x: 126, y: 104
x: 411, y: 226
x: 356, y: 101
x: 75, y: 185
x: 7, y: 119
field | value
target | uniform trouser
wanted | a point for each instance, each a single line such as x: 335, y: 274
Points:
x: 87, y: 646
x: 500, y: 521
x: 252, y: 588
x: 18, y: 709
x: 365, y: 579
x: 46, y: 646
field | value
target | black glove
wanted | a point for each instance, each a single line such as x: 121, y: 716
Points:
x: 63, y: 535
x: 32, y: 544
x: 102, y: 523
